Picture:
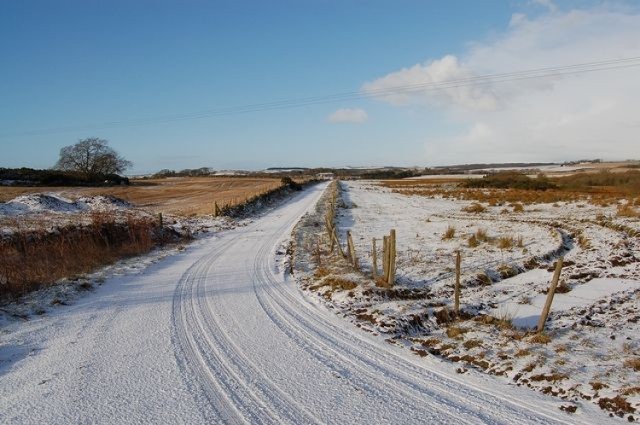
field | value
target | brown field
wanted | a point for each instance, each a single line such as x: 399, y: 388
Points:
x: 179, y: 195
x: 600, y: 186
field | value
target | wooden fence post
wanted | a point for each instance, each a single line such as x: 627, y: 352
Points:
x: 385, y: 258
x: 456, y: 307
x: 160, y: 221
x: 392, y: 258
x: 216, y: 209
x: 374, y: 272
x: 337, y: 242
x: 550, y: 294
x: 352, y: 250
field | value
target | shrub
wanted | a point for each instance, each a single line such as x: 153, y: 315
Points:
x: 473, y: 241
x: 510, y: 180
x: 517, y: 207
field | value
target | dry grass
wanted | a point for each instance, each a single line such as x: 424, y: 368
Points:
x: 597, y: 385
x: 540, y: 338
x: 475, y: 208
x: 30, y: 259
x: 456, y: 331
x: 178, y: 195
x: 616, y: 404
x: 472, y: 343
x: 338, y: 282
x: 599, y: 188
x: 450, y: 233
x: 506, y: 242
x: 517, y: 207
x: 481, y: 235
x: 633, y: 364
x: 627, y: 211
x: 473, y: 241
x: 549, y: 377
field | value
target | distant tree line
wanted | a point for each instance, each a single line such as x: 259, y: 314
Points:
x: 89, y: 162
x: 187, y: 172
x: 34, y: 177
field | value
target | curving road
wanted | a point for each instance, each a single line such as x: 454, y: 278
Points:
x: 218, y: 334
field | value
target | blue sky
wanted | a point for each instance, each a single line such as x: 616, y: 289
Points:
x: 68, y: 67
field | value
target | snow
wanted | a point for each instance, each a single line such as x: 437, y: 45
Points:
x: 219, y: 333
x: 54, y: 203
x: 596, y: 318
x: 526, y: 316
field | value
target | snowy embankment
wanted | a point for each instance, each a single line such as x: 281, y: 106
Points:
x: 218, y: 333
x: 590, y: 351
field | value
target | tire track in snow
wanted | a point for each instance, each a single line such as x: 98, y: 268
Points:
x: 320, y: 336
x: 210, y: 350
x: 222, y: 372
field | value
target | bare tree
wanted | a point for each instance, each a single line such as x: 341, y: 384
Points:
x: 92, y: 157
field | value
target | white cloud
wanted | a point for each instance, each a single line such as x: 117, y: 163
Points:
x: 551, y: 118
x: 433, y: 81
x: 348, y: 115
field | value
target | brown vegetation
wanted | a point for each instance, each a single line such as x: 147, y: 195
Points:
x: 30, y: 259
x: 449, y: 233
x: 180, y: 195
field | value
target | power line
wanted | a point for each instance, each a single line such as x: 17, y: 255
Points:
x: 483, y: 80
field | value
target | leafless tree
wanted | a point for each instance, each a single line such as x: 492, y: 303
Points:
x: 92, y: 157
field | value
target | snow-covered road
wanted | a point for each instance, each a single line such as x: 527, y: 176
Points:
x: 219, y: 334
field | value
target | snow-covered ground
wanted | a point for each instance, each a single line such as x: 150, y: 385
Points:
x: 593, y: 328
x: 219, y: 333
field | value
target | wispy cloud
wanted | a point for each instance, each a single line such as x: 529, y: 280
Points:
x: 556, y: 117
x: 348, y: 115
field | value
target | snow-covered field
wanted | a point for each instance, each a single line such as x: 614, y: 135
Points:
x: 220, y: 333
x: 590, y: 351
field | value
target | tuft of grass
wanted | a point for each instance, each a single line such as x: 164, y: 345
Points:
x: 630, y: 391
x: 443, y: 316
x: 523, y: 352
x: 597, y: 385
x: 633, y: 364
x: 584, y: 242
x: 517, y: 207
x: 550, y: 377
x: 540, y: 338
x: 503, y: 319
x: 475, y: 208
x: 616, y: 404
x: 450, y: 233
x: 321, y: 272
x: 481, y: 235
x: 483, y: 279
x: 456, y: 331
x: 473, y: 241
x: 338, y: 282
x: 505, y: 242
x: 472, y: 343
x: 627, y: 211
